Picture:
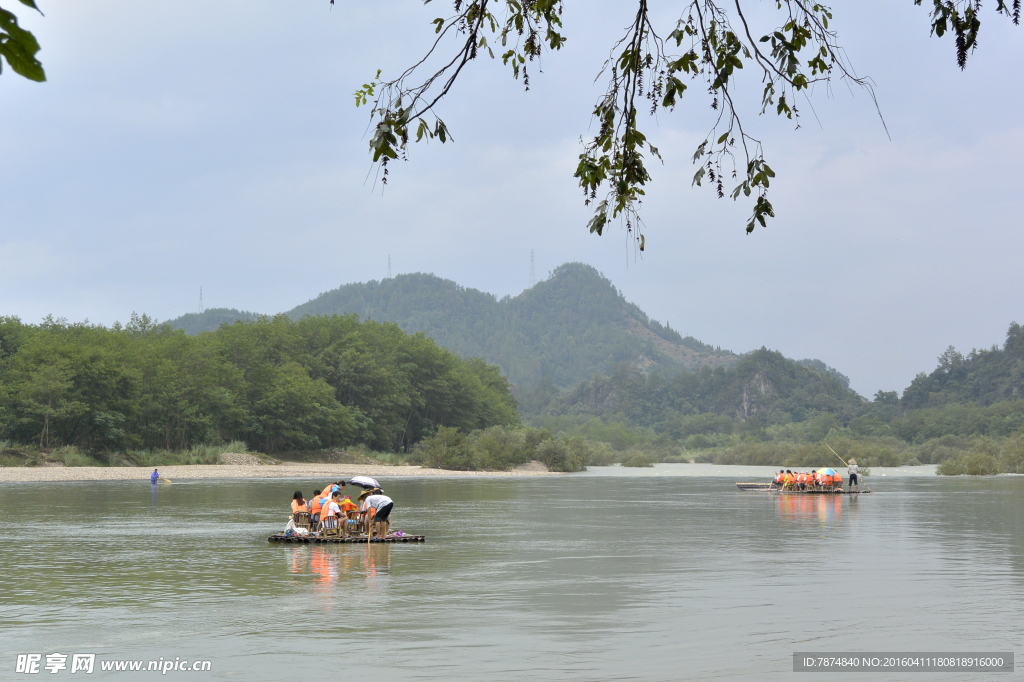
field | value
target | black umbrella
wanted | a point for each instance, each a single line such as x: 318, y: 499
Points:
x: 364, y: 482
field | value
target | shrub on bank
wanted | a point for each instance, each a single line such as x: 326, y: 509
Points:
x: 500, y: 448
x: 638, y: 458
x: 986, y: 458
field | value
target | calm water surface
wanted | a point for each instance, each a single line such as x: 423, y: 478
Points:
x: 603, y: 576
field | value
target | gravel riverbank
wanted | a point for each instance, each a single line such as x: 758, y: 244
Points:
x: 197, y: 471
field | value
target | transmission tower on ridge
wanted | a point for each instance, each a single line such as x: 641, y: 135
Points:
x: 533, y: 273
x: 389, y: 267
x: 200, y: 300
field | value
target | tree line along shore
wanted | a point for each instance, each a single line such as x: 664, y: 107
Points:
x: 334, y: 388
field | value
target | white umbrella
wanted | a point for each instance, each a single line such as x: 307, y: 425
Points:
x: 364, y: 482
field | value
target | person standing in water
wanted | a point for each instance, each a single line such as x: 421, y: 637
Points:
x: 853, y: 469
x: 154, y: 477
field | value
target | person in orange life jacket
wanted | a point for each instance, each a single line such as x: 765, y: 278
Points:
x: 780, y: 478
x: 331, y: 510
x: 348, y: 507
x: 315, y: 506
x: 299, y: 503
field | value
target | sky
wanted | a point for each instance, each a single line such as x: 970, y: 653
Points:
x: 217, y: 145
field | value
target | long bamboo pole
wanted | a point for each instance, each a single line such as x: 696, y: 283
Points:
x: 836, y: 454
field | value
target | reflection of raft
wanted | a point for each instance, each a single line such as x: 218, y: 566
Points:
x: 307, y: 539
x: 766, y: 488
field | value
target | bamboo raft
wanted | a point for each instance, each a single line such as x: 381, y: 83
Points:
x: 767, y: 488
x: 312, y: 539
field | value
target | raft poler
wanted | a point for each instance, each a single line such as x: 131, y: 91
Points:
x: 154, y: 477
x: 853, y: 470
x: 378, y: 510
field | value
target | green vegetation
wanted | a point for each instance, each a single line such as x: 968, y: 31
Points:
x: 498, y: 448
x: 554, y: 335
x: 703, y: 45
x: 762, y: 385
x: 276, y: 384
x: 305, y: 389
x: 982, y: 377
x: 988, y: 456
x: 211, y: 319
x: 767, y: 410
x: 18, y: 47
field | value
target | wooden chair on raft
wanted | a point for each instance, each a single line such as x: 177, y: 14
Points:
x: 329, y: 526
x: 301, y: 520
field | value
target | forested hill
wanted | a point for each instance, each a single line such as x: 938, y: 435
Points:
x: 563, y: 330
x: 763, y: 384
x: 982, y: 377
x: 278, y: 385
x: 211, y: 319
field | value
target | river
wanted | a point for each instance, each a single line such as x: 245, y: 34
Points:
x: 613, y: 574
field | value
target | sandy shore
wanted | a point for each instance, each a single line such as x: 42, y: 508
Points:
x: 173, y: 473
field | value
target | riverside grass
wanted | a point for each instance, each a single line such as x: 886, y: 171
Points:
x: 503, y: 449
x: 73, y: 456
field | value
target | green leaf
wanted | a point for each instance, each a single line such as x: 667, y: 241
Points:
x: 19, y: 47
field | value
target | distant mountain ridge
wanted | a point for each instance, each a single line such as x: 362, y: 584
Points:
x: 982, y: 377
x: 565, y: 329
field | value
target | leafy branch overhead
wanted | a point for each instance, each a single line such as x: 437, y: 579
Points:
x: 18, y: 47
x: 709, y: 46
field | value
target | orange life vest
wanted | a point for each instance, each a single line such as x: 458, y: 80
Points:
x: 296, y: 507
x: 780, y: 477
x: 315, y: 506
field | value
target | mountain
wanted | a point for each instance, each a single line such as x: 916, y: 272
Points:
x: 982, y: 377
x: 561, y: 331
x: 211, y: 319
x: 763, y: 383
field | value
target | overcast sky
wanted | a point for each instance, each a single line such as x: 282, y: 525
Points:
x: 187, y: 144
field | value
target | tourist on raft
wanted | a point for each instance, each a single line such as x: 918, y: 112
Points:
x: 299, y: 503
x: 330, y: 515
x: 315, y: 507
x: 780, y: 478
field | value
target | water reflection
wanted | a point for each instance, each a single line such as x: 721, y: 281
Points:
x: 817, y: 509
x: 327, y: 564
